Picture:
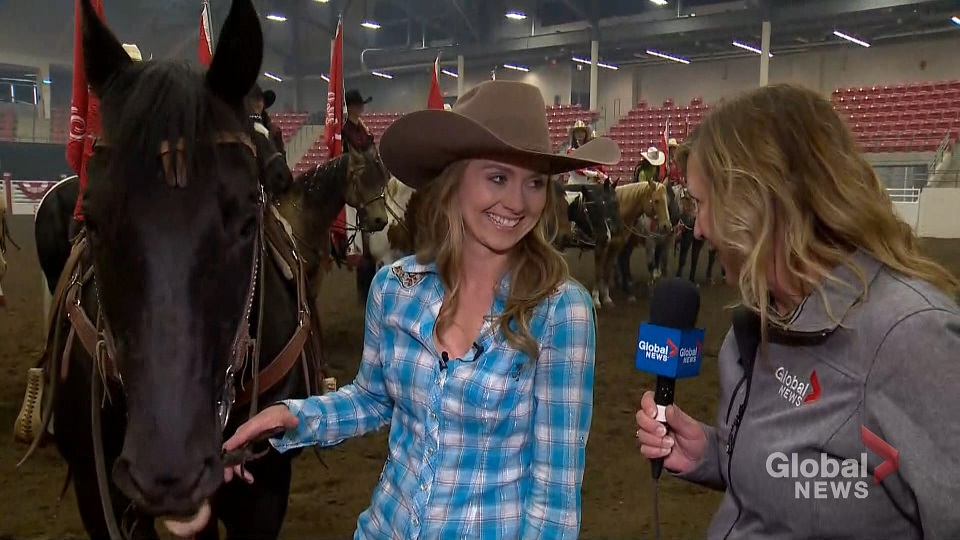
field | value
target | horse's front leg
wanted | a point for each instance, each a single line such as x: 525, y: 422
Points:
x: 695, y: 258
x: 257, y: 510
x: 597, y: 272
x: 605, y: 260
x: 650, y: 248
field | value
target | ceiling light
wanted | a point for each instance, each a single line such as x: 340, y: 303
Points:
x: 601, y: 64
x: 850, y: 38
x: 275, y: 17
x: 516, y: 15
x: 322, y: 76
x: 749, y: 47
x: 321, y: 1
x: 659, y: 2
x: 381, y: 74
x: 269, y: 75
x: 956, y: 20
x: 370, y: 24
x: 516, y: 67
x: 450, y: 73
x: 47, y: 81
x: 658, y: 54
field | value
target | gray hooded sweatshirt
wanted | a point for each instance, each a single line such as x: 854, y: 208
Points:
x: 800, y: 467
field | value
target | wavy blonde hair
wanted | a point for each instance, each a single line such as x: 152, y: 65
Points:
x: 779, y: 160
x: 536, y: 268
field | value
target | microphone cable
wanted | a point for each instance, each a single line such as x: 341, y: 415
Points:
x: 656, y: 508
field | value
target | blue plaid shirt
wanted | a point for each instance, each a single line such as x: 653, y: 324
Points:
x: 493, y: 446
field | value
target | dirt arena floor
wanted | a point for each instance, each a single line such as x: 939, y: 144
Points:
x: 617, y: 492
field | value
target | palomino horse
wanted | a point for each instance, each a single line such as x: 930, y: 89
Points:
x: 689, y: 243
x: 595, y: 225
x: 645, y: 199
x: 313, y: 203
x: 170, y: 295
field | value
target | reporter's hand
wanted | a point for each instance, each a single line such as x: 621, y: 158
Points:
x: 682, y: 448
x: 265, y: 422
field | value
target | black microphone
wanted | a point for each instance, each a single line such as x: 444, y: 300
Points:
x: 444, y: 360
x: 670, y: 346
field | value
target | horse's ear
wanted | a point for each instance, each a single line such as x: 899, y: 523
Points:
x: 103, y: 54
x: 236, y: 62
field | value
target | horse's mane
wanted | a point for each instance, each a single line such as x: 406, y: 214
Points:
x: 162, y: 100
x: 318, y: 184
x: 633, y: 193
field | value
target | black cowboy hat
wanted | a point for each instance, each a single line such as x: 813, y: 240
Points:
x: 269, y: 97
x: 353, y: 97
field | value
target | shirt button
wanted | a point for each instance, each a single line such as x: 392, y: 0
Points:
x: 430, y: 451
x: 423, y: 486
x: 433, y: 416
x: 416, y: 521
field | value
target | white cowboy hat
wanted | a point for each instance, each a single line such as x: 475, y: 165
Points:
x: 133, y: 51
x: 671, y: 142
x: 654, y: 156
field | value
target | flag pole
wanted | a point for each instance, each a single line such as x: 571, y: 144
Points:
x: 206, y: 4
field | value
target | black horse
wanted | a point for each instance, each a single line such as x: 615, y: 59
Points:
x: 689, y: 244
x: 173, y: 288
x: 594, y: 216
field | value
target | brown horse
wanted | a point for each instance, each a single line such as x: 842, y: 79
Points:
x: 313, y: 202
x: 645, y: 199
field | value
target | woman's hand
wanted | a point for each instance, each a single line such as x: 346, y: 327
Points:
x: 263, y: 425
x: 682, y: 448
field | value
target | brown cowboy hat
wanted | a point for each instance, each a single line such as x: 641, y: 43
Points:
x: 500, y: 120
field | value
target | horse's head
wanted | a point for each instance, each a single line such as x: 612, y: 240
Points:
x: 658, y: 205
x: 173, y: 211
x: 367, y: 180
x: 276, y: 174
x: 601, y: 212
x: 687, y: 205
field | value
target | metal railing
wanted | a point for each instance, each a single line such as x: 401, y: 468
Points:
x: 904, y: 195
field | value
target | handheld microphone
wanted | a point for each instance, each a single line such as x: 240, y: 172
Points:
x: 669, y: 346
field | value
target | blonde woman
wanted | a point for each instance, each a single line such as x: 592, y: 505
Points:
x: 859, y: 347
x: 479, y: 349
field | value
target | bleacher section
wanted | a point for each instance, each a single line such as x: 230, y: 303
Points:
x: 914, y: 117
x: 559, y: 119
x: 643, y: 127
x: 289, y: 123
x: 903, y: 118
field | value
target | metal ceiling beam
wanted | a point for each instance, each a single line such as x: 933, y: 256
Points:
x: 420, y: 18
x: 627, y: 30
x: 463, y: 15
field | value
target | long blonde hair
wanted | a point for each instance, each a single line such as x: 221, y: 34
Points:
x: 536, y: 268
x: 779, y: 160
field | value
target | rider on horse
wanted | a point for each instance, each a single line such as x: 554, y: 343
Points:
x: 581, y: 134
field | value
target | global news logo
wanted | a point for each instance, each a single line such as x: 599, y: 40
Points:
x: 832, y: 478
x: 669, y: 352
x: 658, y: 353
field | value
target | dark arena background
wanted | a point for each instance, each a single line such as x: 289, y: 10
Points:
x: 890, y: 68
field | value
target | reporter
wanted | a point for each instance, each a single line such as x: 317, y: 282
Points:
x: 859, y: 331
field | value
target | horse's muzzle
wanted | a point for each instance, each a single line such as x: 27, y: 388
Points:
x: 180, y: 493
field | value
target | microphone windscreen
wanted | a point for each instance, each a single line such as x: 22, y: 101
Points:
x: 674, y: 303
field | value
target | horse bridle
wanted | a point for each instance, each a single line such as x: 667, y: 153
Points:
x: 243, y: 343
x: 354, y: 174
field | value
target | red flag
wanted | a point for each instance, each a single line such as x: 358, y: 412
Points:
x: 205, y: 45
x: 84, y: 108
x: 435, y: 99
x: 334, y: 123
